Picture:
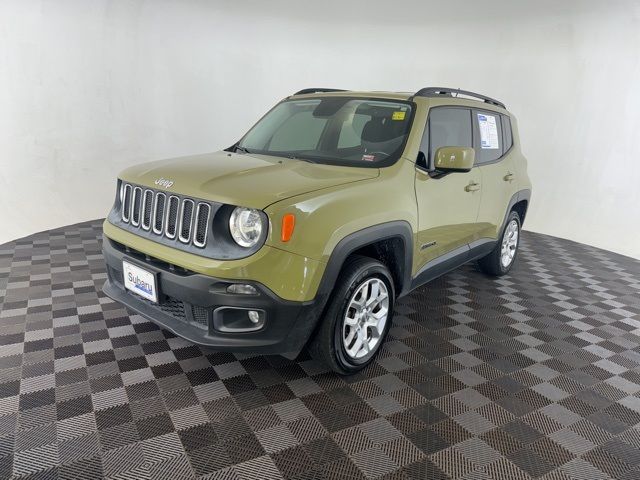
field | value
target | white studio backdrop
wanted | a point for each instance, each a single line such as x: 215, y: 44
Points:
x: 90, y: 87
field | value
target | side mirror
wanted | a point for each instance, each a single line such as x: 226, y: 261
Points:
x: 454, y: 159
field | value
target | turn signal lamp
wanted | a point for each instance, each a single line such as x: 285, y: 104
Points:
x: 288, y: 223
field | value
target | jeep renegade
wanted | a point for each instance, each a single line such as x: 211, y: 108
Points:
x: 306, y: 231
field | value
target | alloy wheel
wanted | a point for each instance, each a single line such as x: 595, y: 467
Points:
x: 365, y: 318
x: 509, y: 244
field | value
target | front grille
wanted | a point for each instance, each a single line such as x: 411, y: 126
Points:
x: 182, y: 311
x: 201, y: 315
x: 202, y: 224
x: 171, y: 217
x: 186, y: 215
x: 126, y: 202
x: 173, y: 307
x: 158, y: 213
x: 147, y: 209
x: 135, y: 208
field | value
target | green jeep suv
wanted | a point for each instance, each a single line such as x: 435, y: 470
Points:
x: 306, y: 231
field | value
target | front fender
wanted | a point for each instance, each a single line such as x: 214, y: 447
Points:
x: 323, y: 219
x: 333, y: 223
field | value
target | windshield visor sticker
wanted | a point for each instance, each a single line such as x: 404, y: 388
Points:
x: 488, y: 131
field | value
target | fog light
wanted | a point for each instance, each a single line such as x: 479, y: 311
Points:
x: 242, y: 289
x: 238, y: 320
x: 254, y: 316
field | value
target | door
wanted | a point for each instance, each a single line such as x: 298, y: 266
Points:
x: 448, y: 204
x: 493, y: 145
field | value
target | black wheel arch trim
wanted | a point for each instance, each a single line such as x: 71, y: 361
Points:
x: 516, y: 198
x: 400, y: 229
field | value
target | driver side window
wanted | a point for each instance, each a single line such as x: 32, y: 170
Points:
x: 446, y: 127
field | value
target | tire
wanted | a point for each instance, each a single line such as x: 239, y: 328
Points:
x: 328, y: 344
x: 496, y: 263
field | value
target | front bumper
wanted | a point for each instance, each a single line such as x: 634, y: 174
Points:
x: 188, y: 300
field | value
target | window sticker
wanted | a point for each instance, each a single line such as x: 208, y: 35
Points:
x: 368, y: 158
x: 488, y: 131
x: 398, y: 115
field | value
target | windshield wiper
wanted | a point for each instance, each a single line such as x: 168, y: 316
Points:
x: 293, y: 157
x: 238, y: 148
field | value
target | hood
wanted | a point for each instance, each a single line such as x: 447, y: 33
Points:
x: 247, y: 180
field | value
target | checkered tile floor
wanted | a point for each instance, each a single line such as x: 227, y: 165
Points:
x: 535, y: 375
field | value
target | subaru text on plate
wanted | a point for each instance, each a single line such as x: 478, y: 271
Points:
x: 307, y: 230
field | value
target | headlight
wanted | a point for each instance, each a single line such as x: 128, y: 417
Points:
x: 245, y: 226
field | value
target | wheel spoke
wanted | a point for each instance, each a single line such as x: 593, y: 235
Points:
x: 365, y: 342
x: 349, y: 338
x: 374, y: 328
x: 355, y: 349
x: 351, y: 321
x: 374, y: 291
x: 364, y: 294
x: 375, y: 317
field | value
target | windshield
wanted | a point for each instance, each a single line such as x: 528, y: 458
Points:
x: 334, y: 130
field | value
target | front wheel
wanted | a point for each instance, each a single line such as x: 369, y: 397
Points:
x: 357, y: 317
x: 503, y: 256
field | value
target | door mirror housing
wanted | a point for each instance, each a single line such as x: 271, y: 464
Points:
x: 454, y: 159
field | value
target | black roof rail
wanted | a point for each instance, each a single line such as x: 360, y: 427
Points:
x: 449, y: 92
x: 318, y: 90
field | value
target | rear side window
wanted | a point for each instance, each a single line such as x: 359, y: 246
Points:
x: 506, y: 133
x: 489, y: 142
x: 448, y: 127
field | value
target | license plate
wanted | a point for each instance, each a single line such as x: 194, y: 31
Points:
x: 140, y: 281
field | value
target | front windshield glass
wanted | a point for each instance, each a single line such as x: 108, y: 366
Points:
x: 335, y: 130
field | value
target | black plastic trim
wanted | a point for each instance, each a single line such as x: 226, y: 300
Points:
x: 362, y: 238
x: 440, y: 265
x: 517, y: 197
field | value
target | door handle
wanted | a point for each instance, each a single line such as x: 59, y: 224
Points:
x: 472, y: 187
x: 508, y: 177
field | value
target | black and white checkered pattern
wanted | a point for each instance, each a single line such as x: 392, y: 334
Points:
x: 534, y: 375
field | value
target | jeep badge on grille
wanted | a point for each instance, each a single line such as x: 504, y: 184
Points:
x: 163, y: 182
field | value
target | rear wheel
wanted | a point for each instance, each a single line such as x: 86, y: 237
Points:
x: 357, y: 317
x: 503, y: 256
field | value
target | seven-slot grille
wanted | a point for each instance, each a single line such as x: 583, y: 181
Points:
x: 166, y: 215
